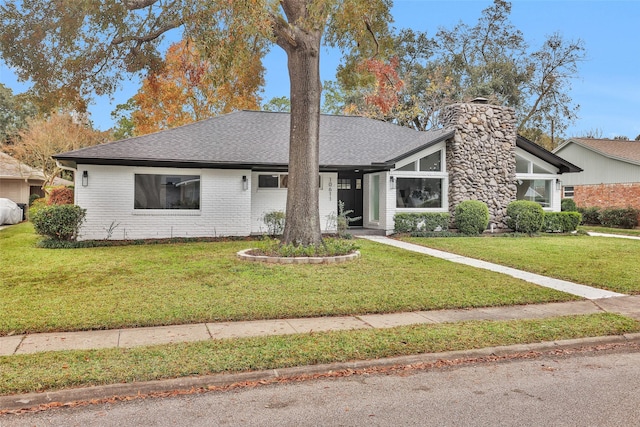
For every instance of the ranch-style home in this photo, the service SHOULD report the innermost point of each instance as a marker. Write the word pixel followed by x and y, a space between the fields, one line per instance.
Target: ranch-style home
pixel 18 181
pixel 611 176
pixel 220 176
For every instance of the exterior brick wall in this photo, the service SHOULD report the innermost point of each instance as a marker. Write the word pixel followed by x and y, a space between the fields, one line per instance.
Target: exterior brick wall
pixel 608 195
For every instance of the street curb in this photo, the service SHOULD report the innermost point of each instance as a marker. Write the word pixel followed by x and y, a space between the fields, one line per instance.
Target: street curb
pixel 97 393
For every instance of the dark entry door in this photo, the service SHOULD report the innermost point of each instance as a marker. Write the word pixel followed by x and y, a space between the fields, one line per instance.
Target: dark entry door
pixel 350 192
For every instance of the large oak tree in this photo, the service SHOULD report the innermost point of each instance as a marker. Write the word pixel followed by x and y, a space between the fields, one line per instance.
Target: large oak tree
pixel 71 49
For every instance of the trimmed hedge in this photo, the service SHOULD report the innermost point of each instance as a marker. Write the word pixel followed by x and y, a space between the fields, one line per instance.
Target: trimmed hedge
pixel 59 222
pixel 619 217
pixel 472 217
pixel 590 216
pixel 424 221
pixel 524 216
pixel 561 222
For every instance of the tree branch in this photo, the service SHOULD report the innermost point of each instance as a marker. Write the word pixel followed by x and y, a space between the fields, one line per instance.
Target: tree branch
pixel 138 4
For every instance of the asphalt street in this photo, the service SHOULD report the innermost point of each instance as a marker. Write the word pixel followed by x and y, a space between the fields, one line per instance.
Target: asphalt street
pixel 584 389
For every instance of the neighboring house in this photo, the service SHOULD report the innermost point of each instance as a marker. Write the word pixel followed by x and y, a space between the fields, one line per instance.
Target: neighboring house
pixel 611 176
pixel 218 177
pixel 19 181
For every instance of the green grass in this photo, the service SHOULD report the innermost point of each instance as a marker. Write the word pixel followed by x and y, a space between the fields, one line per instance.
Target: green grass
pixel 57 370
pixel 608 230
pixel 144 285
pixel 601 262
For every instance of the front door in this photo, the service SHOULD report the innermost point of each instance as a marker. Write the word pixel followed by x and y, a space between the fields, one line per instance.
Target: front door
pixel 350 193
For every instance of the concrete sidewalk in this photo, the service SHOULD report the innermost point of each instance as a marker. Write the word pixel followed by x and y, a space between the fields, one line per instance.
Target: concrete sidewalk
pixel 126 338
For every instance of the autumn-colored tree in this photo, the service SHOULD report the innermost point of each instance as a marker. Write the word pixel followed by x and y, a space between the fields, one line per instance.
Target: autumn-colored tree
pixel 45 137
pixel 189 88
pixel 88 46
pixel 490 59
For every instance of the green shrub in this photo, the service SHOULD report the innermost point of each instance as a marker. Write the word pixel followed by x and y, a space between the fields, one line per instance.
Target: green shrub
pixel 590 216
pixel 472 217
pixel 423 221
pixel 525 216
pixel 33 198
pixel 619 217
pixel 274 221
pixel 60 196
pixel 35 206
pixel 561 222
pixel 59 222
pixel 568 205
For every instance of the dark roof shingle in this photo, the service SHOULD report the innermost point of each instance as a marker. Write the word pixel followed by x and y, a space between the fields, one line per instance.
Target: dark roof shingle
pixel 262 138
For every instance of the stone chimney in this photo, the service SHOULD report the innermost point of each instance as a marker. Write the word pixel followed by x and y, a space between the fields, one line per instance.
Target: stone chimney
pixel 481 157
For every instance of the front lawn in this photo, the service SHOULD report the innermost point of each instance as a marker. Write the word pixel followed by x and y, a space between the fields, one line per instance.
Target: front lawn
pixel 601 262
pixel 144 285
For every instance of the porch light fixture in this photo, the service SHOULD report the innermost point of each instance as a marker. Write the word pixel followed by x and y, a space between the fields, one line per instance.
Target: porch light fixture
pixel 245 183
pixel 392 182
pixel 558 184
pixel 85 178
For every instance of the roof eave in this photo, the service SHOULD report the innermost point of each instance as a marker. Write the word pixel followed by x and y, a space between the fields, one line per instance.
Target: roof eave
pixel 546 155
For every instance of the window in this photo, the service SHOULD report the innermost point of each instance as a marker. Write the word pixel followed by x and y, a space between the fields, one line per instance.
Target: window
pixel 418 192
pixel 278 181
pixel 167 191
pixel 535 190
pixel 568 191
pixel 375 198
pixel 430 163
pixel 344 183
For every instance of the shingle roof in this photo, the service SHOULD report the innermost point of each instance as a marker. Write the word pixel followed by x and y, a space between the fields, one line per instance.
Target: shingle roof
pixel 11 168
pixel 621 150
pixel 257 138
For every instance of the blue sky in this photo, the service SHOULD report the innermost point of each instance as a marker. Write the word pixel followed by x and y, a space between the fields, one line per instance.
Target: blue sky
pixel 607 87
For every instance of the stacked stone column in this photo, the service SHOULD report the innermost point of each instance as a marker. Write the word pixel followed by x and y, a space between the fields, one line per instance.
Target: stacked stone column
pixel 481 157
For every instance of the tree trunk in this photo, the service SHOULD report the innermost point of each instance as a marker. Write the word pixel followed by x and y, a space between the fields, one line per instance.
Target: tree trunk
pixel 302 226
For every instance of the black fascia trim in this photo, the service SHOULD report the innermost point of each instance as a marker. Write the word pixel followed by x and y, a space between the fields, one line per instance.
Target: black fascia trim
pixel 546 155
pixel 392 162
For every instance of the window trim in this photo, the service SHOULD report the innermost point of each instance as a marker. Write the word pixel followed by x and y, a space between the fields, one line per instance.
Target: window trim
pixel 443 175
pixel 169 211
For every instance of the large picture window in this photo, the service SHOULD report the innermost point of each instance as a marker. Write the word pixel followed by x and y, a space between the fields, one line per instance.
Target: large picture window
pixel 535 190
pixel 418 192
pixel 167 191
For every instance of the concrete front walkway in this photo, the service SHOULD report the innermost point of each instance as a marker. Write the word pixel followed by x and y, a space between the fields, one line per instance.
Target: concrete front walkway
pixel 560 285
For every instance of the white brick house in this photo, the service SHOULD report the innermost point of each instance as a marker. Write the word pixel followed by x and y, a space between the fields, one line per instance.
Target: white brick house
pixel 218 177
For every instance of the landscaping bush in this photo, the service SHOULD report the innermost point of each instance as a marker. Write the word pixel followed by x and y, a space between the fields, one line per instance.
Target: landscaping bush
pixel 590 216
pixel 274 221
pixel 60 196
pixel 424 221
pixel 568 205
pixel 35 206
pixel 33 198
pixel 472 217
pixel 619 217
pixel 561 222
pixel 524 216
pixel 59 222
